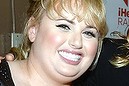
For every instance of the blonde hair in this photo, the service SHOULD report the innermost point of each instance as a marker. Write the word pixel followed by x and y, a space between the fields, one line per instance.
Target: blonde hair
pixel 91 11
pixel 122 60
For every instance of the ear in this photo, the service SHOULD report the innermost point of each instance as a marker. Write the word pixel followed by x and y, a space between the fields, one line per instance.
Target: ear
pixel 32 31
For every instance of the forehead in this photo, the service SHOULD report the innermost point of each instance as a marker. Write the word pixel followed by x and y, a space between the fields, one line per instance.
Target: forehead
pixel 82 10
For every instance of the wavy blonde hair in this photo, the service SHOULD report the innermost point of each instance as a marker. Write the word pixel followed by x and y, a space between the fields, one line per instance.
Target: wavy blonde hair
pixel 122 60
pixel 91 11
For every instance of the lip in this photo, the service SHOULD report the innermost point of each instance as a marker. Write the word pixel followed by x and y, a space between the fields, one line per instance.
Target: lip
pixel 69 61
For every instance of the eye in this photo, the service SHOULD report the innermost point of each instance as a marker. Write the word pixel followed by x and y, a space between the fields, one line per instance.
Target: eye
pixel 89 34
pixel 63 27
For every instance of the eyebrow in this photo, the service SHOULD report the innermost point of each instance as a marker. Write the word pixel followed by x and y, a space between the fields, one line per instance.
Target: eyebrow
pixel 74 23
pixel 91 27
pixel 66 20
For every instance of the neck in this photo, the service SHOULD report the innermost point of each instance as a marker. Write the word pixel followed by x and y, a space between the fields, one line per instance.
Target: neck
pixel 38 77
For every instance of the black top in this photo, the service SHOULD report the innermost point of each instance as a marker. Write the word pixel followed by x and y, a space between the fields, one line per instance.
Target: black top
pixel 5 75
pixel 106 74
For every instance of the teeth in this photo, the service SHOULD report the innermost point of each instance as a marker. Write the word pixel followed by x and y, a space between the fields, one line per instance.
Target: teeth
pixel 69 56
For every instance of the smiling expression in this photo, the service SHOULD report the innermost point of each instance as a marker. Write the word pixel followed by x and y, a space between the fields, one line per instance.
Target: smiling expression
pixel 62 47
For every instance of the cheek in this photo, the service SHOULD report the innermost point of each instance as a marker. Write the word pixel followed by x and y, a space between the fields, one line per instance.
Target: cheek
pixel 92 48
pixel 55 39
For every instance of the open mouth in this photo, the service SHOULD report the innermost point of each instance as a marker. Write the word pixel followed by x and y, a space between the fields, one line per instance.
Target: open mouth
pixel 70 57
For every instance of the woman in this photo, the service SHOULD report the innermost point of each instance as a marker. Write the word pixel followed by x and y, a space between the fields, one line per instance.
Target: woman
pixel 61 40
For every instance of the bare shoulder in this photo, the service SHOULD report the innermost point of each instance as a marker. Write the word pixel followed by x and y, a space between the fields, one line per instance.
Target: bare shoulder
pixel 18 69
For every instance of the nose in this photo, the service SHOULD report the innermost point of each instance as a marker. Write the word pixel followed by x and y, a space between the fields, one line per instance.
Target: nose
pixel 75 41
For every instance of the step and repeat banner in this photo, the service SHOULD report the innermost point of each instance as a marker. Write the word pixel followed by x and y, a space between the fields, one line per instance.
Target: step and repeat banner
pixel 117 14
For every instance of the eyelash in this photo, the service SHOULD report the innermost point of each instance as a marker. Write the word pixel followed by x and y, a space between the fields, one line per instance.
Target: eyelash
pixel 66 28
pixel 89 34
pixel 63 27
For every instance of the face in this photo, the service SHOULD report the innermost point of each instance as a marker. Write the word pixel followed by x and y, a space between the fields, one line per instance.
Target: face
pixel 62 47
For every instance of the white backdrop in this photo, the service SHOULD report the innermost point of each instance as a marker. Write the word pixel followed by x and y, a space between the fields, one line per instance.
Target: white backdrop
pixel 117 14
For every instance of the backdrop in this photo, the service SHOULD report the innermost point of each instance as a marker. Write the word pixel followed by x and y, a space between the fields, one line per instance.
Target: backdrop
pixel 117 14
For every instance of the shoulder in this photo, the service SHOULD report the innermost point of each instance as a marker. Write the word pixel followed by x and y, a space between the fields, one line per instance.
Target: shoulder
pixel 5 75
pixel 19 72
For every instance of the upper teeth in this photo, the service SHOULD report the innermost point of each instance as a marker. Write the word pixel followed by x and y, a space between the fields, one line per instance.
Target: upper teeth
pixel 69 56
